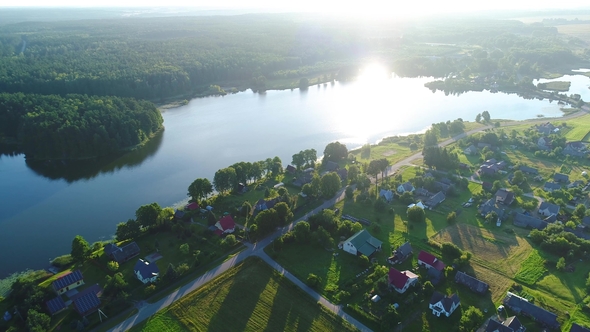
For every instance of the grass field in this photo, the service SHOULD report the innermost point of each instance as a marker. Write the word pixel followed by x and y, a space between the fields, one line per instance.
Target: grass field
pixel 249 297
pixel 532 269
pixel 581 31
pixel 579 130
pixel 559 86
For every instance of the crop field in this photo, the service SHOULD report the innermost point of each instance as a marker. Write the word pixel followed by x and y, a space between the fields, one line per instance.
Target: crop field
pixel 532 269
pixel 505 252
pixel 581 31
pixel 249 297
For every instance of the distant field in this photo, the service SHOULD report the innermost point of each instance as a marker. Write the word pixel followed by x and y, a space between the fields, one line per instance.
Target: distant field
pixel 579 133
pixel 581 31
pixel 560 86
pixel 250 297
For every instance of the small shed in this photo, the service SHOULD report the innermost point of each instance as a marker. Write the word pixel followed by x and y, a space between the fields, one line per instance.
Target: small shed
pixel 376 298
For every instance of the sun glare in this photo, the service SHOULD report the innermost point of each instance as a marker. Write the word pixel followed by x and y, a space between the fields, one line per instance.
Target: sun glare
pixel 374 72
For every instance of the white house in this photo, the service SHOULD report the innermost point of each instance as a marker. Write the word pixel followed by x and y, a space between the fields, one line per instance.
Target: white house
pixel 405 187
pixel 362 243
pixel 145 271
pixel 419 204
pixel 401 281
pixel 443 304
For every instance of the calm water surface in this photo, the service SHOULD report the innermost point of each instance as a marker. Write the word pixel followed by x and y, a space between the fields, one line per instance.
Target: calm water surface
pixel 42 208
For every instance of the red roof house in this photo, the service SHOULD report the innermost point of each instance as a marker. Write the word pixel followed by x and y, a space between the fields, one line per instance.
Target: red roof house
pixel 428 260
pixel 400 281
pixel 225 225
pixel 192 206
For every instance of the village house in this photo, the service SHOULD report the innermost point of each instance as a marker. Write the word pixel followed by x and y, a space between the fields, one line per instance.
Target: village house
pixel 504 196
pixel 422 192
pixel 55 305
pixel 362 243
pixel 401 281
pixel 387 195
pixel 145 271
pixel 575 149
pixel 401 254
pixel 405 187
pixel 548 209
pixel 419 204
pixel 435 200
pixel 510 324
pixel 68 282
pixel 578 328
pixel 331 166
pixel 551 186
pixel 434 266
pixel 471 150
pixel 441 186
pixel 291 169
pixel 486 186
pixel 490 206
pixel 523 306
pixel 87 301
pixel 529 170
pixel 547 129
pixel 343 174
pixel 225 225
pixel 544 143
pixel 526 221
pixel 474 284
pixel 443 304
pixel 121 254
pixel 561 178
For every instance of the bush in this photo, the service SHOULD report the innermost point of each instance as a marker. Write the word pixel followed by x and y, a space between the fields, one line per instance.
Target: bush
pixel 313 280
pixel 182 269
pixel 184 248
pixel 451 217
pixel 229 241
pixel 113 266
pixel 149 290
pixel 62 261
pixel 451 250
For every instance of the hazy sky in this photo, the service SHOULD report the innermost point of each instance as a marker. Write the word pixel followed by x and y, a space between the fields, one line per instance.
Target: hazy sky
pixel 364 7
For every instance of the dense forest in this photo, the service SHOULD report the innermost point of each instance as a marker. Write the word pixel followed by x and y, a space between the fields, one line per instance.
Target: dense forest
pixel 75 126
pixel 155 58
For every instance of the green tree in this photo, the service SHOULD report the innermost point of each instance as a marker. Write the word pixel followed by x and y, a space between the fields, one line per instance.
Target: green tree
pixel 303 83
pixel 497 185
pixel 353 173
pixel 390 319
pixel 451 217
pixel 130 229
pixel 416 214
pixel 113 266
pixel 335 151
pixel 199 189
pixel 298 159
pixel 580 211
pixel 225 179
pixel 478 117
pixel 37 321
pixel 349 193
pixel 284 213
pixel 330 184
pixel 302 231
pixel 80 249
pixel 115 285
pixel 486 116
pixel 518 177
pixel 184 249
pixel 147 215
pixel 560 264
pixel 229 241
pixel 471 319
pixel 430 138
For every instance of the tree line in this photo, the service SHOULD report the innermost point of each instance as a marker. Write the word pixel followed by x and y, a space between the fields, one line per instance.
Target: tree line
pixel 74 126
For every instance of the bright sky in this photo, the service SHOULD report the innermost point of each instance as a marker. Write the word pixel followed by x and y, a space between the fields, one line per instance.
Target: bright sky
pixel 355 8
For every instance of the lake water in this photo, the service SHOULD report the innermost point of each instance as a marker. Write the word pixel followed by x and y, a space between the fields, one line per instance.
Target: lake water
pixel 43 208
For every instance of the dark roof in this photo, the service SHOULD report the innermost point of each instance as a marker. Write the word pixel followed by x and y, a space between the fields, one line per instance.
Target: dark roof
pixel 178 214
pixel 474 284
pixel 67 279
pixel 486 185
pixel 558 177
pixel 397 279
pixel 331 166
pixel 511 324
pixel 549 186
pixel 227 222
pixel 109 248
pixel 520 305
pixel 405 249
pixel 192 206
pixel 446 300
pixel 554 209
pixel 87 303
pixel 586 221
pixel 291 169
pixel 529 170
pixel 126 252
pixel 442 186
pixel 422 192
pixel 55 305
pixel 577 328
pixel 438 198
pixel 526 221
pixel 504 196
pixel 488 206
pixel 146 269
pixel 96 289
pixel 407 186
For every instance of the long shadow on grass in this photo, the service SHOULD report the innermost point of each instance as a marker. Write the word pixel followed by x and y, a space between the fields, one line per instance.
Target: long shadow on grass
pixel 291 307
pixel 241 300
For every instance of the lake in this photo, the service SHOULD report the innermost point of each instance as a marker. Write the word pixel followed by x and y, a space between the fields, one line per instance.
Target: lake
pixel 44 207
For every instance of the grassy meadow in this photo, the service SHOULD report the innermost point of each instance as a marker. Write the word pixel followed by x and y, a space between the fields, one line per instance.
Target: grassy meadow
pixel 249 297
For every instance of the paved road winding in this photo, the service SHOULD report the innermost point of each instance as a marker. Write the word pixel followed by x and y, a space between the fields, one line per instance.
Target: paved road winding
pixel 257 249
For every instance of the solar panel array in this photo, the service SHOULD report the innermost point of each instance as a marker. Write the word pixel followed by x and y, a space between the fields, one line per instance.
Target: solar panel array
pixel 68 279
pixel 56 305
pixel 86 303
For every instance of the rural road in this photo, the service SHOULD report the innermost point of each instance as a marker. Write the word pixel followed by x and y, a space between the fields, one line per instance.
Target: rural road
pixel 257 249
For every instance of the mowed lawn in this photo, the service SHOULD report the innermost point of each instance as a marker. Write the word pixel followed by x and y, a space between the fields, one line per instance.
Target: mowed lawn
pixel 249 297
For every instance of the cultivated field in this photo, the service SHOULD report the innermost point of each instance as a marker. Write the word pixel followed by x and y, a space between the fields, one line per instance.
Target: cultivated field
pixel 250 297
pixel 581 31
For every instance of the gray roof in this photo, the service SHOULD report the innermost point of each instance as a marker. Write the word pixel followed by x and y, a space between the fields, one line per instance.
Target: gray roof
pixel 558 177
pixel 549 186
pixel 521 305
pixel 577 328
pixel 489 206
pixel 553 209
pixel 446 300
pixel 405 249
pixel 125 253
pixel 526 221
pixel 529 170
pixel 438 198
pixel 474 284
pixel 407 186
pixel 511 324
pixel 504 196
